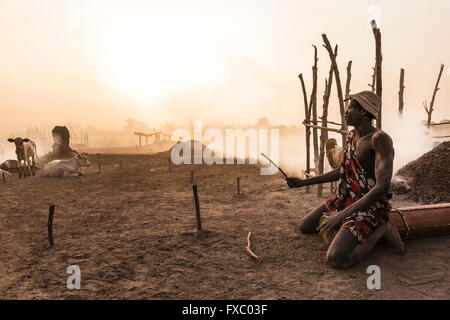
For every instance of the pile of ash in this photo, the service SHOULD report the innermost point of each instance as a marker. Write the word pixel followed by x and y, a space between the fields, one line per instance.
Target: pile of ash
pixel 426 179
pixel 191 151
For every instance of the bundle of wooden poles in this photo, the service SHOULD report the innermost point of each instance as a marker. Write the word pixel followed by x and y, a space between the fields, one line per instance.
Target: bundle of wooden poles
pixel 311 121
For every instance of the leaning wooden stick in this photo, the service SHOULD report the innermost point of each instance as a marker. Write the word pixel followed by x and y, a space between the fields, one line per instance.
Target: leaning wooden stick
pixel 436 89
pixel 284 174
pixel 333 57
pixel 248 247
pixel 51 212
pixel 308 129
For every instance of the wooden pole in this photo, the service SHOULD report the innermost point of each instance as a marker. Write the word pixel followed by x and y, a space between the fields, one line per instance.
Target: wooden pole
pixel 344 128
pixel 347 95
pixel 323 138
pixel 325 115
pixel 192 176
pixel 99 167
pixel 373 85
pixel 440 123
pixel 51 213
pixel 170 164
pixel 238 185
pixel 308 129
pixel 3 178
pixel 121 164
pixel 313 107
pixel 347 82
pixel 197 208
pixel 400 92
pixel 330 122
pixel 328 129
pixel 436 89
pixel 379 61
pixel 324 132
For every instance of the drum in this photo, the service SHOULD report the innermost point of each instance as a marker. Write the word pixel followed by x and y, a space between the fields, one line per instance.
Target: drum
pixel 422 221
pixel 327 236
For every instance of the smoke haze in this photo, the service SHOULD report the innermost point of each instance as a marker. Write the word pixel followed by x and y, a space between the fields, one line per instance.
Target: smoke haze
pixel 95 64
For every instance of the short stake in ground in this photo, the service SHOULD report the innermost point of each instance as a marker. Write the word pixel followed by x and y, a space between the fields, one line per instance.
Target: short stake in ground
pixel 170 164
pixel 3 178
pixel 51 213
pixel 99 167
pixel 197 208
pixel 238 186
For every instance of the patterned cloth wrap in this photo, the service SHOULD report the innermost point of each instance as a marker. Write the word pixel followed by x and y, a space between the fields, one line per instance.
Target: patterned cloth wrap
pixel 354 183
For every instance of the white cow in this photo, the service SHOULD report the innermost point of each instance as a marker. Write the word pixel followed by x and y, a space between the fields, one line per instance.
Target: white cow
pixel 66 168
pixel 26 153
pixel 4 172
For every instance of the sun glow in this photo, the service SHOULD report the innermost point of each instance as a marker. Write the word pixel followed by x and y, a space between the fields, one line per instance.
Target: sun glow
pixel 142 69
pixel 149 60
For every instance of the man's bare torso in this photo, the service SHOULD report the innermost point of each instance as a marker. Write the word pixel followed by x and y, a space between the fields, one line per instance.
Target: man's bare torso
pixel 366 154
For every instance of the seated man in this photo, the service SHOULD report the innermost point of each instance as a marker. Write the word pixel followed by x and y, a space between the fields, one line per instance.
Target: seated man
pixel 360 208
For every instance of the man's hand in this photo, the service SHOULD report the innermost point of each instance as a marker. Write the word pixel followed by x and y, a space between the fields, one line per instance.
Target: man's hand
pixel 331 221
pixel 295 182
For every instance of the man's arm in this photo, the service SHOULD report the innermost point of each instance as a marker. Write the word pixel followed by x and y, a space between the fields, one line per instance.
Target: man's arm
pixel 330 176
pixel 384 160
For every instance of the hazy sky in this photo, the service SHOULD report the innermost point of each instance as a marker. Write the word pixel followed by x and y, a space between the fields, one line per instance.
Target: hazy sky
pixel 99 62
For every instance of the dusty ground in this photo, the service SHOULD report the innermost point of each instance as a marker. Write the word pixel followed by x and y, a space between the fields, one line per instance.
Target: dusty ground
pixel 131 232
